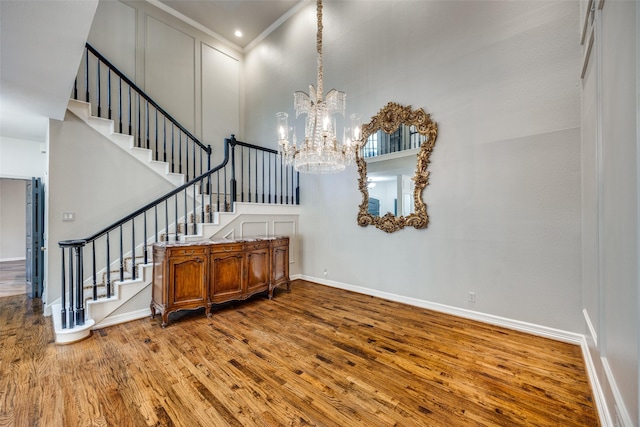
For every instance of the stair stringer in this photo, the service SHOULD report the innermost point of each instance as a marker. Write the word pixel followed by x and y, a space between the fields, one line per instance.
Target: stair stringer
pixel 103 311
pixel 105 127
pixel 241 212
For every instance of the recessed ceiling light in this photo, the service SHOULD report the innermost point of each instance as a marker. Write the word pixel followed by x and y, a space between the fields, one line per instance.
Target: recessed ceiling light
pixel 238 33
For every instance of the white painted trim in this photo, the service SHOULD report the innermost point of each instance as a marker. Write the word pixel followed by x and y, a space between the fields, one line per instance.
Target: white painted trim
pixel 12 259
pixel 539 330
pixel 596 387
pixel 587 54
pixel 621 409
pixel 69 335
pixel 592 331
pixel 193 23
pixel 123 318
pixel 288 14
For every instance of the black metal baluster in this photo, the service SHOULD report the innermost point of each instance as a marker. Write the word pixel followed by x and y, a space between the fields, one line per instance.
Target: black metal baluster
pixel 79 286
pixel 201 200
pixel 186 224
pixel 256 174
pixel 93 268
pixel 75 88
pixel 218 191
pixel 166 221
pixel 175 206
pixel 225 190
pixel 180 152
pixel 298 188
pixel 286 184
pixel 86 75
pixel 155 208
pixel 108 268
pixel 249 176
pixel 210 219
pixel 120 104
pixel 164 139
pixel 129 103
pixel 281 180
pixel 269 161
pixel 146 249
pixel 156 135
pixel 193 210
pixel 147 122
pixel 63 311
pixel 186 156
pixel 233 174
pixel 139 123
pixel 121 256
pixel 173 165
pixel 241 173
pixel 133 249
pixel 99 95
pixel 108 93
pixel 72 317
pixel 193 146
pixel 263 182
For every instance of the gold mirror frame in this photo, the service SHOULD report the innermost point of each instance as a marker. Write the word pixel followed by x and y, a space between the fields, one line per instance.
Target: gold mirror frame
pixel 388 119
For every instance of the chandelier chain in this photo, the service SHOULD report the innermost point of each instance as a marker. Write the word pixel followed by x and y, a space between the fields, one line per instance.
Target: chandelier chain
pixel 319 50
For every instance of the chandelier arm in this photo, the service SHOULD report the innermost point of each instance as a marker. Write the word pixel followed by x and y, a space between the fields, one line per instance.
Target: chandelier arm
pixel 319 50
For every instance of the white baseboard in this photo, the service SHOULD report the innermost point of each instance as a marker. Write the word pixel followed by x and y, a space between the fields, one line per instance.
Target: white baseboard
pixel 538 330
pixel 12 259
pixel 122 318
pixel 622 415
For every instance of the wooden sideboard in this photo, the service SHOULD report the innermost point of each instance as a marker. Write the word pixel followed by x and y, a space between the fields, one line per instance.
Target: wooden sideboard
pixel 193 275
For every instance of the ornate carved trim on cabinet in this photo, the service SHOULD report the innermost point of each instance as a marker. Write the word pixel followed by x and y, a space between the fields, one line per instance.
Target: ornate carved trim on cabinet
pixel 188 276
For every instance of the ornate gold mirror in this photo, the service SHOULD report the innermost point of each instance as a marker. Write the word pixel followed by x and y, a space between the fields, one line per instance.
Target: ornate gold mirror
pixel 397 143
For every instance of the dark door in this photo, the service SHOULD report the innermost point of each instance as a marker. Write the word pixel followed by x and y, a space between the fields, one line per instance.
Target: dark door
pixel 35 237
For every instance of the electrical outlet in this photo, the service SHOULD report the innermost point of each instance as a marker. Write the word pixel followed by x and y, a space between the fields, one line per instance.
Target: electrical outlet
pixel 472 297
pixel 325 273
pixel 68 216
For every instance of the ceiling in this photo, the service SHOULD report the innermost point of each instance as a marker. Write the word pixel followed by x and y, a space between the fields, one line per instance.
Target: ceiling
pixel 41 42
pixel 224 17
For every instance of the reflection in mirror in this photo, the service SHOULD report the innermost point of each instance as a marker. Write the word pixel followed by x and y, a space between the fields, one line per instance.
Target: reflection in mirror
pixel 392 163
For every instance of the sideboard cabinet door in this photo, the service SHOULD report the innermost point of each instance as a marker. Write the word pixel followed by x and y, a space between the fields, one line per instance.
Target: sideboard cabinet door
pixel 180 279
pixel 226 272
pixel 279 264
pixel 257 267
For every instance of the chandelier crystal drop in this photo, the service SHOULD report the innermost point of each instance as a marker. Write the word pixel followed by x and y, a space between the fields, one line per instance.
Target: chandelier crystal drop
pixel 321 151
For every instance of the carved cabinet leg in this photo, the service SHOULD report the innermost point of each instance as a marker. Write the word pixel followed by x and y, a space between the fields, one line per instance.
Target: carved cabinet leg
pixel 165 319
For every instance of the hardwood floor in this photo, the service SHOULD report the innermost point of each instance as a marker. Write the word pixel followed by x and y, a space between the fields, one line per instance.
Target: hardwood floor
pixel 13 278
pixel 314 356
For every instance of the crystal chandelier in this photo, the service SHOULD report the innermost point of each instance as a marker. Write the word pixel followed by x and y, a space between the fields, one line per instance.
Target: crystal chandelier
pixel 321 152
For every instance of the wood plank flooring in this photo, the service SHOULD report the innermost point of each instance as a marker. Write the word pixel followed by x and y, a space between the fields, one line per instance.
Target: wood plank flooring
pixel 315 356
pixel 13 278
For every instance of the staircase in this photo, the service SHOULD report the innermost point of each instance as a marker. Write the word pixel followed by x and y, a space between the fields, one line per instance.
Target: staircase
pixel 135 290
pixel 251 186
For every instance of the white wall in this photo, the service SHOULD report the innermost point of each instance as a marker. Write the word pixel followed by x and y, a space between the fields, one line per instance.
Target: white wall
pixel 501 79
pixel 610 205
pixel 20 158
pixel 13 205
pixel 97 181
